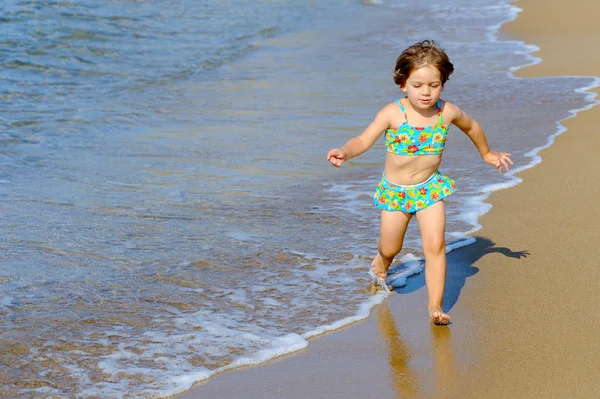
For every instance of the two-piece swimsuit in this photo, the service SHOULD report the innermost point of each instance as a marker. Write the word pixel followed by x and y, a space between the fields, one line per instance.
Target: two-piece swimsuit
pixel 411 141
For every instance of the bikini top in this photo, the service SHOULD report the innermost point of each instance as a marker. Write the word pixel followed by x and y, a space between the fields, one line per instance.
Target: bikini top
pixel 410 140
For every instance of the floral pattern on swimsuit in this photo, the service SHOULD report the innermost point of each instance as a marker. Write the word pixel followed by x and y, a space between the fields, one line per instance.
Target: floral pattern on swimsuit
pixel 411 140
pixel 410 199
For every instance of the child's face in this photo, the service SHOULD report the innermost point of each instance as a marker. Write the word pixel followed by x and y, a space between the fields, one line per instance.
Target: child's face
pixel 423 87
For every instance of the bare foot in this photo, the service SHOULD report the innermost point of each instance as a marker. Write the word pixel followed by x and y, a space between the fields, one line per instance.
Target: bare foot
pixel 379 268
pixel 438 317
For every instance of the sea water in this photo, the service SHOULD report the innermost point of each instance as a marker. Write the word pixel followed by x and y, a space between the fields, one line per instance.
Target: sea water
pixel 167 208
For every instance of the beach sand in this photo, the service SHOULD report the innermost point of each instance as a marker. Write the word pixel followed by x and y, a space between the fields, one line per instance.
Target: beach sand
pixel 523 297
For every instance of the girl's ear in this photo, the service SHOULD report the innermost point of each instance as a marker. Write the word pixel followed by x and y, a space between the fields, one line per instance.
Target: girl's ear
pixel 403 88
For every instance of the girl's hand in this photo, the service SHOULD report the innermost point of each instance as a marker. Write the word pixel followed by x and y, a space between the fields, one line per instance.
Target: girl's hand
pixel 498 159
pixel 336 157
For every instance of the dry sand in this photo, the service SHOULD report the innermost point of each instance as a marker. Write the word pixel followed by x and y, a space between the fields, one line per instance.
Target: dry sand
pixel 526 323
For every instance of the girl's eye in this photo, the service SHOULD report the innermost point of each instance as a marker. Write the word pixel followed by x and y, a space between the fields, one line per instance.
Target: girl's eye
pixel 416 86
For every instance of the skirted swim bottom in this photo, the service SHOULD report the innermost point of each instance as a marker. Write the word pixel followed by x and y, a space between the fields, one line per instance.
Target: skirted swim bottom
pixel 410 199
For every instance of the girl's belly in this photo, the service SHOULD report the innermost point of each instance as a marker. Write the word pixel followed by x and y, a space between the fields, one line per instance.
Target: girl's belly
pixel 408 170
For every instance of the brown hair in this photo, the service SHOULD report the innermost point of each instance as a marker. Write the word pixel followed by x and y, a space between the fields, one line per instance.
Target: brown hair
pixel 418 55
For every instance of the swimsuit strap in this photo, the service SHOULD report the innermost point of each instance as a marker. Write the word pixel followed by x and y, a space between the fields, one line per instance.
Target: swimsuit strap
pixel 439 110
pixel 402 109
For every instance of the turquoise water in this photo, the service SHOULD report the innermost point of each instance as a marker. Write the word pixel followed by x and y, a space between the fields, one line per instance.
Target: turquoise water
pixel 167 207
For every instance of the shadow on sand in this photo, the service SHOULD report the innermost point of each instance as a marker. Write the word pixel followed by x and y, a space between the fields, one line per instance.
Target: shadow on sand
pixel 406 358
pixel 460 267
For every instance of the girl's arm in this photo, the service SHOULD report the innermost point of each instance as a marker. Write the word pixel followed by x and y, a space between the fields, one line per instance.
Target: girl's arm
pixel 365 140
pixel 472 129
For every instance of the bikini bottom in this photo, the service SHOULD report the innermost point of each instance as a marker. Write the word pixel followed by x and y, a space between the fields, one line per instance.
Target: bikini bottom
pixel 411 199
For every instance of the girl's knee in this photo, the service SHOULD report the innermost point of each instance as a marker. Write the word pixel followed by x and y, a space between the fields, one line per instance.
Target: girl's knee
pixel 434 246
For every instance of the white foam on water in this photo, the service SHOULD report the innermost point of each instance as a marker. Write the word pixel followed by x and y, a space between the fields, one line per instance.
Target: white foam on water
pixel 400 279
pixel 477 204
pixel 363 312
pixel 279 347
pixel 171 374
pixel 513 12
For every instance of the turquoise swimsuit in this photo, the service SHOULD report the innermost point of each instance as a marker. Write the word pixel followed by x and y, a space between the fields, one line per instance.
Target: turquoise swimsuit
pixel 408 140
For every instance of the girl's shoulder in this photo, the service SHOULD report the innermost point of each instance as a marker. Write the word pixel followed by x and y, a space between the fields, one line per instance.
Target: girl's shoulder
pixel 391 109
pixel 449 110
pixel 392 106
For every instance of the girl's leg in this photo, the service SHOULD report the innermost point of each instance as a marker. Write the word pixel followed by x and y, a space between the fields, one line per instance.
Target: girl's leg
pixel 432 223
pixel 391 236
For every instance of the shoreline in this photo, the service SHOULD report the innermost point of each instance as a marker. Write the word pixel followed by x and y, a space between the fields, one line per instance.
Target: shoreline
pixel 489 342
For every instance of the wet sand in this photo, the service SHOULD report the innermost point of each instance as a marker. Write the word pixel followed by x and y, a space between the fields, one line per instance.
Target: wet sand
pixel 522 298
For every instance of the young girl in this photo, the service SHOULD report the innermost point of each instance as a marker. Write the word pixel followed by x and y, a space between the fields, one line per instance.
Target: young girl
pixel 415 130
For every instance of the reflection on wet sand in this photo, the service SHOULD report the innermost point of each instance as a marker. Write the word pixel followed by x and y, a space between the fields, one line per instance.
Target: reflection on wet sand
pixel 445 373
pixel 440 380
pixel 398 355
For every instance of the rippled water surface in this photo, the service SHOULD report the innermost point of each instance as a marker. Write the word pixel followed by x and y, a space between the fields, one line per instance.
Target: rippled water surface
pixel 166 204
